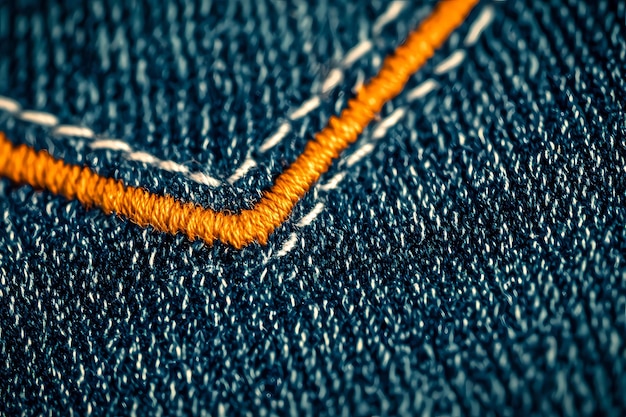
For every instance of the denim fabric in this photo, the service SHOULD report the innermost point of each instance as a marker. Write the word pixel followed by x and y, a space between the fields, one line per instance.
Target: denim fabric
pixel 467 259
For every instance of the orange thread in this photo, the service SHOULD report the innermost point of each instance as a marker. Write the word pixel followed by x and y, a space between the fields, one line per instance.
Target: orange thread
pixel 23 164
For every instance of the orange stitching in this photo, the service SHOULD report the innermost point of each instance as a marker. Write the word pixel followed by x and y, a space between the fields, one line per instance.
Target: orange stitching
pixel 23 164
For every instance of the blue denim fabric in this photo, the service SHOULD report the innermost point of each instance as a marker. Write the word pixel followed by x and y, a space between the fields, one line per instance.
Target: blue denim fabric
pixel 473 263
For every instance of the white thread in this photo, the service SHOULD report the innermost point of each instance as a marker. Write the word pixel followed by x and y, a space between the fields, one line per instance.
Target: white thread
pixel 480 24
pixel 273 140
pixel 335 76
pixel 74 131
pixel 289 244
pixel 9 105
pixel 451 62
pixel 173 167
pixel 40 118
pixel 359 154
pixel 308 219
pixel 246 166
pixel 422 89
pixel 357 52
pixel 306 108
pixel 392 12
pixel 204 179
pixel 147 158
pixel 333 182
pixel 143 157
pixel 112 144
pixel 382 128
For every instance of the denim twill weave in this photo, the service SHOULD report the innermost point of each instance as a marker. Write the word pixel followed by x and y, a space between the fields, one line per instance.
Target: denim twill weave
pixel 465 257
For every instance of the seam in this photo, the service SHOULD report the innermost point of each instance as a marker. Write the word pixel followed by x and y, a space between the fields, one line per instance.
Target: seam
pixel 23 164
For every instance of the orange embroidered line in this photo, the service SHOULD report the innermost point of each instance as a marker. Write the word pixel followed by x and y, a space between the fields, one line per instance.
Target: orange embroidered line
pixel 24 165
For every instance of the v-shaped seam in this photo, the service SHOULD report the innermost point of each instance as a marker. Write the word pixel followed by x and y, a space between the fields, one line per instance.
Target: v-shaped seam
pixel 22 164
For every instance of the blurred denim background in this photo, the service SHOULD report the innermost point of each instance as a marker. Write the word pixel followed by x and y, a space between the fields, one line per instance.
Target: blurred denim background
pixel 465 257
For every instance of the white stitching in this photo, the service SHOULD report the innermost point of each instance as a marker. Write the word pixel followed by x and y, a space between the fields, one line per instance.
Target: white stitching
pixel 74 131
pixel 147 158
pixel 144 157
pixel 9 105
pixel 283 130
pixel 246 166
pixel 381 129
pixel 422 89
pixel 289 244
pixel 308 219
pixel 451 62
pixel 333 182
pixel 113 144
pixel 335 76
pixel 306 108
pixel 392 12
pixel 359 154
pixel 480 24
pixel 39 117
pixel 357 52
pixel 202 178
pixel 173 166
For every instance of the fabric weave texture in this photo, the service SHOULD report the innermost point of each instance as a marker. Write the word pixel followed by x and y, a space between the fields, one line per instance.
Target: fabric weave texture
pixel 466 256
